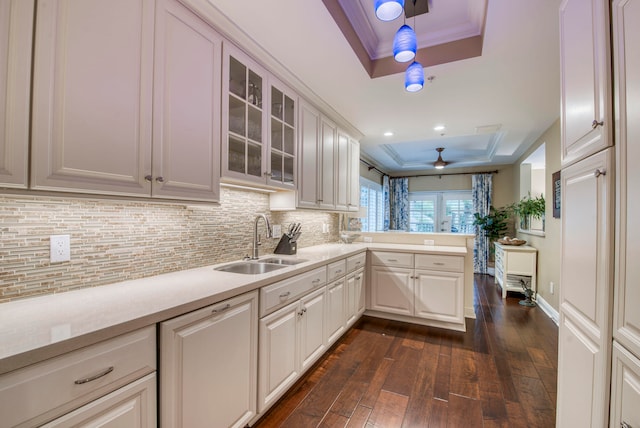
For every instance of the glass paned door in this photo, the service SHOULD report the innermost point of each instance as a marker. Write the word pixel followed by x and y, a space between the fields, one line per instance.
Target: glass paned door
pixel 282 124
pixel 245 95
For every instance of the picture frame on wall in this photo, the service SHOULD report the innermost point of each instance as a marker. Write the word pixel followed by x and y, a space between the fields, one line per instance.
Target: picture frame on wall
pixel 557 192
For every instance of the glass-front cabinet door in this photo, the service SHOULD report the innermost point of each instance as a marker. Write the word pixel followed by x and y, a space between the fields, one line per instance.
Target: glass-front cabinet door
pixel 282 136
pixel 244 118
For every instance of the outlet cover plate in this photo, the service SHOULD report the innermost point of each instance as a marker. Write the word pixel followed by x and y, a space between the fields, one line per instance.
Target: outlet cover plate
pixel 60 246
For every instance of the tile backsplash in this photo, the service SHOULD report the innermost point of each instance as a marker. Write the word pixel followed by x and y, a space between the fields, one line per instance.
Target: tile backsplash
pixel 116 240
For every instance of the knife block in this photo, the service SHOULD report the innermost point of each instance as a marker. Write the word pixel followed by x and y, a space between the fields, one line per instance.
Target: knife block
pixel 286 246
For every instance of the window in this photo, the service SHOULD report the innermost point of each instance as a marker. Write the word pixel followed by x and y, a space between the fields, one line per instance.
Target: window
pixel 441 212
pixel 371 198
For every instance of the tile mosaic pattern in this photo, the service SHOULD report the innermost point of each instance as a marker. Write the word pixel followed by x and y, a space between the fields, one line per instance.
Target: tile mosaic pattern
pixel 117 240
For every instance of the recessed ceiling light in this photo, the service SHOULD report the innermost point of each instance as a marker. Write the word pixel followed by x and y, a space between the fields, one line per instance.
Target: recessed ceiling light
pixel 439 128
pixel 388 134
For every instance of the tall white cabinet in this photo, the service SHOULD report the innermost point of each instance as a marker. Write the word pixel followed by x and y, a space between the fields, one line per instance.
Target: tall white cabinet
pixel 625 388
pixel 588 177
pixel 16 33
pixel 126 101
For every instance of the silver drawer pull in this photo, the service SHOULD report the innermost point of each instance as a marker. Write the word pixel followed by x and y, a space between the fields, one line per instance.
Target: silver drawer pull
pixel 624 425
pixel 315 281
pixel 222 309
pixel 358 278
pixel 598 173
pixel 283 295
pixel 339 271
pixel 595 123
pixel 94 377
pixel 439 264
pixel 392 260
pixel 359 262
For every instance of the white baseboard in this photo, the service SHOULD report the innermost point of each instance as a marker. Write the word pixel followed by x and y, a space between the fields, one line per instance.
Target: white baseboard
pixel 548 309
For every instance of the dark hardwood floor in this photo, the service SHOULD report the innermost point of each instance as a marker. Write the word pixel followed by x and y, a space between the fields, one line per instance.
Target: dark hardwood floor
pixel 500 373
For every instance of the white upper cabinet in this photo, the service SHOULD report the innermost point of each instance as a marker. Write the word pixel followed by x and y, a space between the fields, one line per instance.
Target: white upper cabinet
pixel 353 182
pixel 16 32
pixel 309 160
pixel 327 170
pixel 103 73
pixel 186 111
pixel 92 95
pixel 342 172
pixel 626 49
pixel 283 104
pixel 585 78
pixel 244 120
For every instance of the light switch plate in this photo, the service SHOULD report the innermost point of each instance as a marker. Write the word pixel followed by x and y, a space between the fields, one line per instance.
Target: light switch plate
pixel 276 231
pixel 60 247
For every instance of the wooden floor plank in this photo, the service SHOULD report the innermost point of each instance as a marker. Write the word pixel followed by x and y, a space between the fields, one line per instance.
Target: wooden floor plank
pixel 418 411
pixel 464 412
pixel 389 410
pixel 359 418
pixel 464 376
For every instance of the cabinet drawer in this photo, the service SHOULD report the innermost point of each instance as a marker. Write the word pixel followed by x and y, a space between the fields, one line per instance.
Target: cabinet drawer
pixel 336 270
pixel 439 262
pixel 383 258
pixel 59 385
pixel 277 295
pixel 356 262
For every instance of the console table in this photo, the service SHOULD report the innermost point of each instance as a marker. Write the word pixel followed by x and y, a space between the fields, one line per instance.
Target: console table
pixel 515 263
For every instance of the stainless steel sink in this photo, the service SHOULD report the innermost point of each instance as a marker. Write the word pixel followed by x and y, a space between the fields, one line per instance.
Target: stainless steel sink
pixel 250 268
pixel 281 261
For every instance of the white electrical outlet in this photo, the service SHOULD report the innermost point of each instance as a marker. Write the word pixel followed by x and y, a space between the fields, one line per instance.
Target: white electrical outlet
pixel 368 239
pixel 276 231
pixel 60 246
pixel 325 228
pixel 551 288
pixel 429 242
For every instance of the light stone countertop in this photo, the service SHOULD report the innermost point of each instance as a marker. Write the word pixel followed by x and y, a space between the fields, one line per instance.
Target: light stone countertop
pixel 37 328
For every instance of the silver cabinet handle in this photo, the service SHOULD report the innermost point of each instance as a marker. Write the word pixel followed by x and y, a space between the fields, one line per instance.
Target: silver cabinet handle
pixel 302 311
pixel 283 295
pixel 358 262
pixel 148 178
pixel 597 173
pixel 222 309
pixel 392 260
pixel 315 281
pixel 94 377
pixel 624 425
pixel 595 124
pixel 160 179
pixel 439 264
pixel 339 271
pixel 358 278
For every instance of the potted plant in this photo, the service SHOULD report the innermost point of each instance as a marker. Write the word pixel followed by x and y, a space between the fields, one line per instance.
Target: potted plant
pixel 494 225
pixel 528 208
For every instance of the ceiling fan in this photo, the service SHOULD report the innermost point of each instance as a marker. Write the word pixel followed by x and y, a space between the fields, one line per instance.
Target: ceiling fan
pixel 439 163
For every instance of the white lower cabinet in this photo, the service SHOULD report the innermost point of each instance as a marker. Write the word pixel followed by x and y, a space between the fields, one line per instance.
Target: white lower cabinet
pixel 625 388
pixel 439 296
pixel 355 297
pixel 425 288
pixel 208 365
pixel 291 339
pixel 111 383
pixel 335 322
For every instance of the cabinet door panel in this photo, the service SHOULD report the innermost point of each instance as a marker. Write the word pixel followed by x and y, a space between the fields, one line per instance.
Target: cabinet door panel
pixel 309 160
pixel 328 169
pixel 208 366
pixel 312 341
pixel 16 32
pixel 392 290
pixel 186 155
pixel 335 320
pixel 92 94
pixel 342 171
pixel 626 34
pixel 585 78
pixel 625 388
pixel 279 354
pixel 439 296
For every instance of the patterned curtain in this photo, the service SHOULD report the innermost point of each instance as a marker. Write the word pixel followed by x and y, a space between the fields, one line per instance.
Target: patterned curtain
pixel 481 186
pixel 386 203
pixel 399 204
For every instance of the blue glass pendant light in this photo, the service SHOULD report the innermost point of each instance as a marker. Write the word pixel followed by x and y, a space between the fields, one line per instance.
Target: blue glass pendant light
pixel 405 44
pixel 414 77
pixel 388 10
